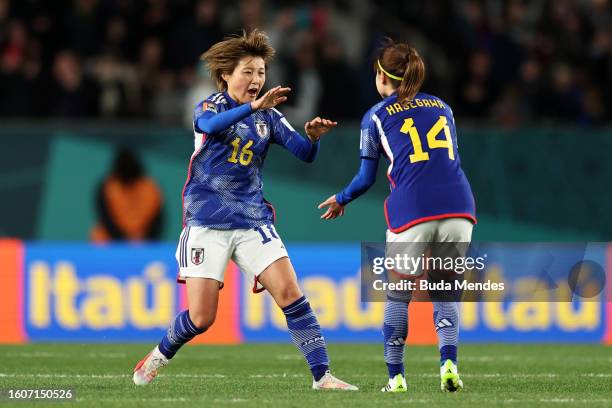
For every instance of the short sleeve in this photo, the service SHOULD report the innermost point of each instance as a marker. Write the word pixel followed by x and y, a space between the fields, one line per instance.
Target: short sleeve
pixel 369 143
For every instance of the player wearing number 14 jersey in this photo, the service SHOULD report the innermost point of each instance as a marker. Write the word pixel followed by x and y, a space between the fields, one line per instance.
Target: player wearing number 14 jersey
pixel 430 199
pixel 224 213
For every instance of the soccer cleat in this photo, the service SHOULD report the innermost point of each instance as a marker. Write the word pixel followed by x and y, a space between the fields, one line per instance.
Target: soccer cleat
pixel 146 369
pixel 449 378
pixel 329 382
pixel 396 384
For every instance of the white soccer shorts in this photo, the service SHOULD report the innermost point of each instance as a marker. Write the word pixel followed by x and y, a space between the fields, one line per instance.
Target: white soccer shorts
pixel 204 252
pixel 414 241
pixel 444 230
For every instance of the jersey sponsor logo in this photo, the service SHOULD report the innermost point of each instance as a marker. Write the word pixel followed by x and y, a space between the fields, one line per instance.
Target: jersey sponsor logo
pixel 209 107
pixel 197 256
pixel 262 128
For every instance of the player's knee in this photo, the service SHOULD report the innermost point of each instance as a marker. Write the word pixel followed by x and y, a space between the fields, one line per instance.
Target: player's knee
pixel 202 320
pixel 288 295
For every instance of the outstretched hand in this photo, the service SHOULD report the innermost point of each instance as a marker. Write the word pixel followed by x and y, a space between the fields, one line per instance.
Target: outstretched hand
pixel 271 98
pixel 317 127
pixel 334 209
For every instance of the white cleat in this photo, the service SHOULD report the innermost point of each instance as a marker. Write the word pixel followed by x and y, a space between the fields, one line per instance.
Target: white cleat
pixel 329 382
pixel 396 384
pixel 449 377
pixel 146 369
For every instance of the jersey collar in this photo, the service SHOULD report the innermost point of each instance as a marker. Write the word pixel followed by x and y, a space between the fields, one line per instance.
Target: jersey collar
pixel 232 102
pixel 390 97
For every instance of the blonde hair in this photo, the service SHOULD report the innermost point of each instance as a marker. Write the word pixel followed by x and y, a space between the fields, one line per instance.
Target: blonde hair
pixel 399 60
pixel 223 57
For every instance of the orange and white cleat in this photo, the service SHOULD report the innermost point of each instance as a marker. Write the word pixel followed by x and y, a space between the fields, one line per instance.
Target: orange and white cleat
pixel 329 382
pixel 146 369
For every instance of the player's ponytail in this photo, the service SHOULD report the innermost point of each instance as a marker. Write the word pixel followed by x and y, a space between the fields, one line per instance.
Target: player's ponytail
pixel 413 78
pixel 403 66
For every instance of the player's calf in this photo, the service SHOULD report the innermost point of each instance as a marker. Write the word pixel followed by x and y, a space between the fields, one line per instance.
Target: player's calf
pixel 182 329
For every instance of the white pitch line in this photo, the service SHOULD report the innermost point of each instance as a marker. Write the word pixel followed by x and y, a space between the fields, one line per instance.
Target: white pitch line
pixel 181 399
pixel 414 359
pixel 36 354
pixel 46 354
pixel 167 399
pixel 487 359
pixel 552 401
pixel 64 375
pixel 183 375
pixel 295 375
pixel 556 400
pixel 283 375
pixel 233 400
pixel 495 375
pixel 109 376
pixel 180 375
pixel 107 355
pixel 289 357
pixel 485 375
pixel 127 399
pixel 596 375
pixel 573 400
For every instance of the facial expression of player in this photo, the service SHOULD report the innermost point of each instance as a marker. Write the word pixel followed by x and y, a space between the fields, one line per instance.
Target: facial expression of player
pixel 247 80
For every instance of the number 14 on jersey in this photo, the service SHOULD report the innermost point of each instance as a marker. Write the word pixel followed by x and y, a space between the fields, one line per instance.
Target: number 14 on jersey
pixel 433 143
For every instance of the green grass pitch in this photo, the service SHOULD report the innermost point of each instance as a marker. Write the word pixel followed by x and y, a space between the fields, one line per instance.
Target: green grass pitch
pixel 275 375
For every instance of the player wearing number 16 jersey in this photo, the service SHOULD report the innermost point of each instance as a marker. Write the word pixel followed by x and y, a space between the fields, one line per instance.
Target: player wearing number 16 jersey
pixel 430 200
pixel 224 213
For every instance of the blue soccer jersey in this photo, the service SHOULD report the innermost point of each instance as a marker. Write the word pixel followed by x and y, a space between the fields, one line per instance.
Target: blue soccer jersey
pixel 420 141
pixel 224 182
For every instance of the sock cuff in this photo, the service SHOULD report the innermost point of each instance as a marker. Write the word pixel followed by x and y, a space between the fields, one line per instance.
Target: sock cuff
pixel 191 325
pixel 319 371
pixel 164 350
pixel 296 306
pixel 395 369
pixel 448 352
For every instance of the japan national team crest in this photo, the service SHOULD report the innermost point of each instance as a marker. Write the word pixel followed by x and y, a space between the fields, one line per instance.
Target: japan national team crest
pixel 197 256
pixel 262 128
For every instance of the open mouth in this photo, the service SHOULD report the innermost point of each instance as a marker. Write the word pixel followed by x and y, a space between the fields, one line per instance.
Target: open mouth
pixel 252 92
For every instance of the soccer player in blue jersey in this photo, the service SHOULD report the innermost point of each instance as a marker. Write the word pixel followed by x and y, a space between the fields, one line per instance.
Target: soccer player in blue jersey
pixel 225 215
pixel 430 200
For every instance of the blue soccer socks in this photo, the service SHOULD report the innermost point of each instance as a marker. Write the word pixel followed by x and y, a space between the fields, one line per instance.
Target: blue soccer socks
pixel 181 330
pixel 446 322
pixel 395 331
pixel 306 335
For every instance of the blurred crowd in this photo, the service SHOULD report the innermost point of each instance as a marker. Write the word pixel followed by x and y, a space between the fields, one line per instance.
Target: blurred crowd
pixel 507 62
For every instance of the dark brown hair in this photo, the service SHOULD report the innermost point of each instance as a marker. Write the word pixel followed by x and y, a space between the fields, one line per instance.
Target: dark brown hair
pixel 223 57
pixel 404 61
